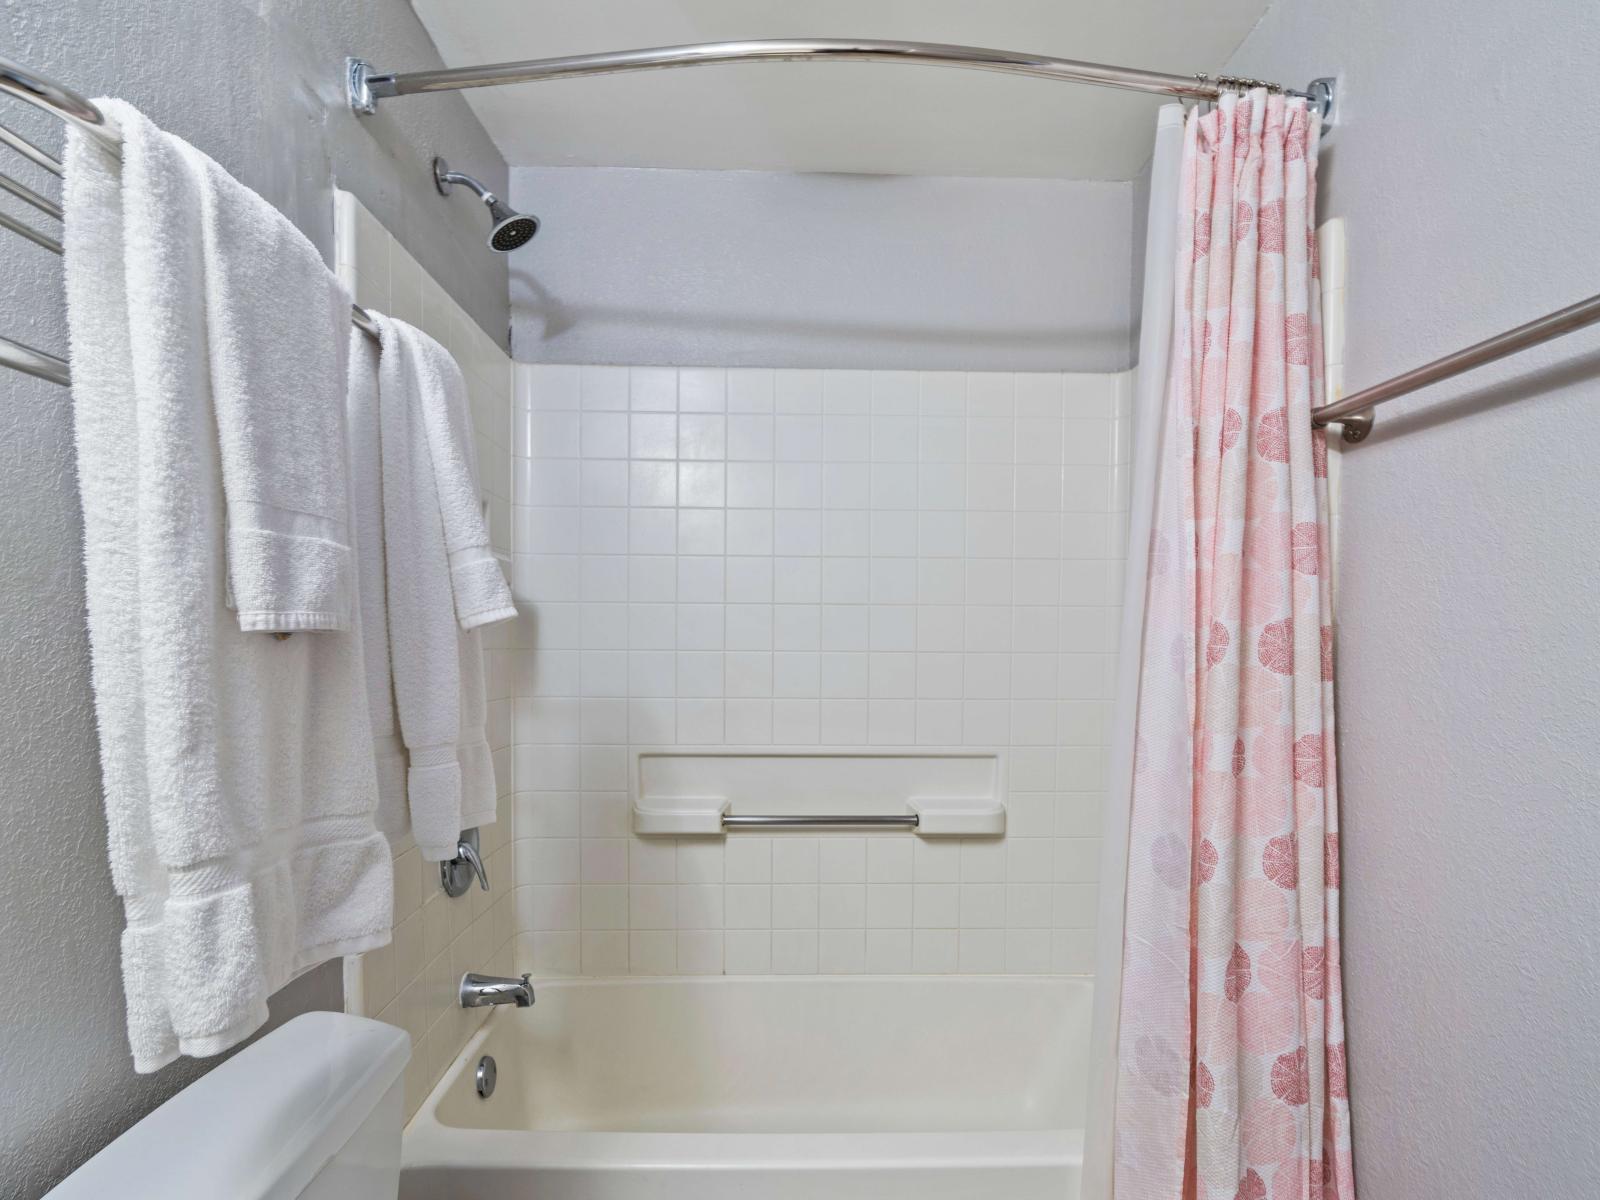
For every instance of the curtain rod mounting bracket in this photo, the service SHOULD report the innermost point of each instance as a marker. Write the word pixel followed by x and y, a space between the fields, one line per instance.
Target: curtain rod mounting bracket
pixel 1320 95
pixel 1354 428
pixel 357 71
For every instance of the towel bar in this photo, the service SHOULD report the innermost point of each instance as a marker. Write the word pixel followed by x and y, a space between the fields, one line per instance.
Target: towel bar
pixel 72 108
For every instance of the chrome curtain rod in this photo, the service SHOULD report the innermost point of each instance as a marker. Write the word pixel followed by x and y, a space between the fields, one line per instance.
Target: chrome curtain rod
pixel 1355 412
pixel 366 86
pixel 64 103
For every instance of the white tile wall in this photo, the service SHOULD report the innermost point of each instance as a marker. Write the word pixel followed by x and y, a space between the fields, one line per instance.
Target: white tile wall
pixel 811 558
pixel 411 982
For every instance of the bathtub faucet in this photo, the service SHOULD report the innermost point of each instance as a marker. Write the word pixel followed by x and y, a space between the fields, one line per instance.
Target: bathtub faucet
pixel 477 991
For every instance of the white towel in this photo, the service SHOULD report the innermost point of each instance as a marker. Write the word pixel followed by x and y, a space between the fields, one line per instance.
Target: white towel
pixel 237 768
pixel 437 665
pixel 106 437
pixel 479 587
pixel 276 336
pixel 424 656
pixel 476 581
pixel 366 497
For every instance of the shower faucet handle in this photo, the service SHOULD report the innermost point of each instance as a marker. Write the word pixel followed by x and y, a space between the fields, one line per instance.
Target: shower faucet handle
pixel 456 874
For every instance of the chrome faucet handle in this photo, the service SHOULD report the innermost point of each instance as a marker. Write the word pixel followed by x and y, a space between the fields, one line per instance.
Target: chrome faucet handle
pixel 455 875
pixel 469 852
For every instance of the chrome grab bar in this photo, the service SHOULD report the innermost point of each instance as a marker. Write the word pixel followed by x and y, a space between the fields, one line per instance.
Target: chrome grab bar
pixel 905 821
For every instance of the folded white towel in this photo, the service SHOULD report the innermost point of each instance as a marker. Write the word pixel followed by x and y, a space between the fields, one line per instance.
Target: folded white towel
pixel 476 581
pixel 478 791
pixel 107 440
pixel 277 349
pixel 437 664
pixel 366 497
pixel 237 768
pixel 424 656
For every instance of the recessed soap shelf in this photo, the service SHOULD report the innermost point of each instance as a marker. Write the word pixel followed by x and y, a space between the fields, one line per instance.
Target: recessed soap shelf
pixel 689 793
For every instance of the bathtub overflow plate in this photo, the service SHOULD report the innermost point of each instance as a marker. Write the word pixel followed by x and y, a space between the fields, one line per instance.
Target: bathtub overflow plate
pixel 486 1076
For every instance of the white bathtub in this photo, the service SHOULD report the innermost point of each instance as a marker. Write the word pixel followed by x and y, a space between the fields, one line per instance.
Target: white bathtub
pixel 780 1088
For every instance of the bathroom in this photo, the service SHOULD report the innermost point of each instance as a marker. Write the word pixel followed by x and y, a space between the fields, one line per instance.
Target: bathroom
pixel 812 430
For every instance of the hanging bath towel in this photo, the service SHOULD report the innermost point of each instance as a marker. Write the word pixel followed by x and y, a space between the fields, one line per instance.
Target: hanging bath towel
pixel 425 464
pixel 238 771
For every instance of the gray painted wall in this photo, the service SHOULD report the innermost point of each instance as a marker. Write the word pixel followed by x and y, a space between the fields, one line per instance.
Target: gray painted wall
pixel 752 268
pixel 1469 649
pixel 256 86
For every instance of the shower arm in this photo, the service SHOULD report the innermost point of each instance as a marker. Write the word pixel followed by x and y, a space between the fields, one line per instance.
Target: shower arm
pixel 366 86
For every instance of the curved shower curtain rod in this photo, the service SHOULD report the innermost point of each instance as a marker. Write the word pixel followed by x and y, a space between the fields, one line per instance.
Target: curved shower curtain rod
pixel 366 86
pixel 1353 412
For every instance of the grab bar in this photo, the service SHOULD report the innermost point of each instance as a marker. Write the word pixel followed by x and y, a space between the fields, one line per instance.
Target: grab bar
pixel 906 821
pixel 929 816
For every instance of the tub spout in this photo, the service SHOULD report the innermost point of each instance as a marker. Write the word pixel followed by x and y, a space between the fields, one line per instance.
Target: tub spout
pixel 477 991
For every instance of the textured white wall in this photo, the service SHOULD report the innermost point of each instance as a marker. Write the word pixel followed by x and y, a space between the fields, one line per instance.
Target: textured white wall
pixel 1469 651
pixel 256 84
pixel 765 269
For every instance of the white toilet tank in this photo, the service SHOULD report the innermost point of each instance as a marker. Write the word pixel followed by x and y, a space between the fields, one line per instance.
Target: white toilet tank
pixel 313 1110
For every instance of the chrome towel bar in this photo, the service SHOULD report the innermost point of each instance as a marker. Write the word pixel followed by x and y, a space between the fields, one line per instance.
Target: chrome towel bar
pixel 62 102
pixel 905 821
pixel 1354 411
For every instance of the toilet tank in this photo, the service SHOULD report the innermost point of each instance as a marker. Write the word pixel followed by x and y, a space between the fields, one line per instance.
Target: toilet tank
pixel 312 1110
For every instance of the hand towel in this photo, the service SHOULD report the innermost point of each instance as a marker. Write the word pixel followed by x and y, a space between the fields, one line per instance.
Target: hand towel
pixel 425 657
pixel 478 586
pixel 366 499
pixel 436 664
pixel 238 772
pixel 277 342
pixel 477 583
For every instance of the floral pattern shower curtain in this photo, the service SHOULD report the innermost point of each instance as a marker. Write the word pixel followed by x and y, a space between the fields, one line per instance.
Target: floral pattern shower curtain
pixel 1231 1081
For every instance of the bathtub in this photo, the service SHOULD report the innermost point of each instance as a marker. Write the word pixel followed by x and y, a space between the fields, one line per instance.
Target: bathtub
pixel 937 1088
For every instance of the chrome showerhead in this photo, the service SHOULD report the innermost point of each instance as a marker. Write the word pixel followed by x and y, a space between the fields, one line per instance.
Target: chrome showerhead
pixel 511 229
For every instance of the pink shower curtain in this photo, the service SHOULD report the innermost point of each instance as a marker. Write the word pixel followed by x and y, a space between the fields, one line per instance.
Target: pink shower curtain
pixel 1231 1078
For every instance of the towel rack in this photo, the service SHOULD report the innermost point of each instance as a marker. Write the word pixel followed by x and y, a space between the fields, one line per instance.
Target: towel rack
pixel 68 106
pixel 1355 411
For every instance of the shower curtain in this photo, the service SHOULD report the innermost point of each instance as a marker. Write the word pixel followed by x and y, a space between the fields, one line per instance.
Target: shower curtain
pixel 1219 1023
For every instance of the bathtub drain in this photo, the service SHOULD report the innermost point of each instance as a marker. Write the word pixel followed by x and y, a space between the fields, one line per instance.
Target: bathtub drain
pixel 486 1076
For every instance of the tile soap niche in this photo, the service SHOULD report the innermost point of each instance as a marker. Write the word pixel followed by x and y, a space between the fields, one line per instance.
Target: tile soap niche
pixel 693 793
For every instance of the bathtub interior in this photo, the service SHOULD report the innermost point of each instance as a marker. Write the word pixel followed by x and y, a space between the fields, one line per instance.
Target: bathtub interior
pixel 812 1055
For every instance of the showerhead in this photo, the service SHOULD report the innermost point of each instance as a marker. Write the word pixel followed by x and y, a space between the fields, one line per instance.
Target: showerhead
pixel 511 230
